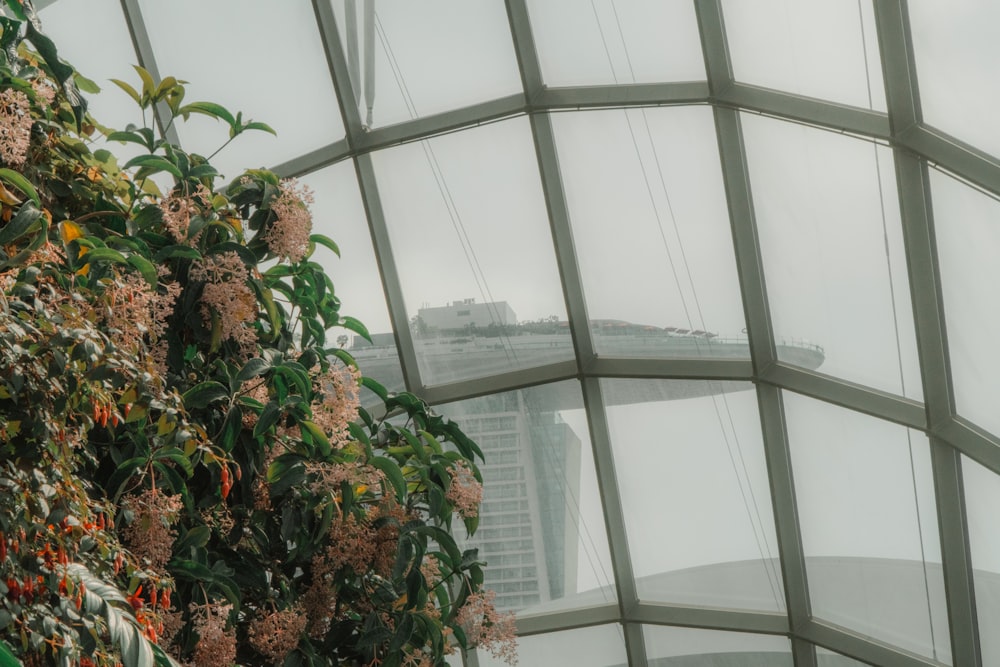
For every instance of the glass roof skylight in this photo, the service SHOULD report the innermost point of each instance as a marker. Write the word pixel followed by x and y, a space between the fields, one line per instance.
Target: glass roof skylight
pixel 711 281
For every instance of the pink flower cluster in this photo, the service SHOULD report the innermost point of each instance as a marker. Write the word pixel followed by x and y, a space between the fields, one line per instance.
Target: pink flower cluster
pixel 217 645
pixel 15 127
pixel 465 492
pixel 288 234
pixel 150 535
pixel 487 628
pixel 178 209
pixel 277 634
pixel 338 391
pixel 227 295
pixel 136 313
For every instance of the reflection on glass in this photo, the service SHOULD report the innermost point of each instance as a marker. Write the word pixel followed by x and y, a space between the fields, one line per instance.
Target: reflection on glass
pixel 968 237
pixel 865 498
pixel 695 494
pixel 831 242
pixel 651 230
pixel 280 77
pixel 955 47
pixel 541 526
pixel 690 647
pixel 600 646
pixel 339 214
pixel 827 50
pixel 625 41
pixel 471 239
pixel 982 497
pixel 413 59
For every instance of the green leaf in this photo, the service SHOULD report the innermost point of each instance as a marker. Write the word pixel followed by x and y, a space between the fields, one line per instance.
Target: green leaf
pixel 198 536
pixel 264 127
pixel 154 163
pixel 252 369
pixel 7 657
pixel 18 9
pixel 268 418
pixel 375 387
pixel 204 393
pixel 177 252
pixel 105 255
pixel 132 92
pixel 85 84
pixel 101 597
pixel 133 137
pixel 317 435
pixel 21 183
pixel 208 109
pixel 356 326
pixel 20 224
pixel 392 473
pixel 146 268
pixel 322 240
pixel 148 85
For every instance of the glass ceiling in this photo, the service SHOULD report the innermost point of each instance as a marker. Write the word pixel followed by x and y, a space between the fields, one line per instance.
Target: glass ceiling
pixel 710 280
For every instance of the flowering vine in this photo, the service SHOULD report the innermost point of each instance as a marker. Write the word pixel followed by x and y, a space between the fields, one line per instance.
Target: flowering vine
pixel 187 475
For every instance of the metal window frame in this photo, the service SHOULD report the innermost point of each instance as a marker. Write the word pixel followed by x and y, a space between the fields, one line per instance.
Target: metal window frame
pixel 915 146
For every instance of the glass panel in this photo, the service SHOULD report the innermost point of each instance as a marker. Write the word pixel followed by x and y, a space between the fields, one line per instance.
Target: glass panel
pixel 625 41
pixel 105 54
pixel 542 527
pixel 965 225
pixel 692 450
pixel 600 646
pixel 955 48
pixel 831 241
pixel 472 243
pixel 982 497
pixel 827 50
pixel 279 77
pixel 865 497
pixel 690 647
pixel 653 177
pixel 339 213
pixel 427 57
pixel 827 658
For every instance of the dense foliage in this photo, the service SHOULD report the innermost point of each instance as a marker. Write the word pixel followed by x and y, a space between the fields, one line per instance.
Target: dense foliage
pixel 185 472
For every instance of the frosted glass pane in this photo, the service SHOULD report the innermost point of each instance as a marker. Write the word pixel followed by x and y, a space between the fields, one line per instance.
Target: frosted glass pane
pixel 471 239
pixel 695 494
pixel 827 50
pixel 601 646
pixel 955 46
pixel 428 57
pixel 626 41
pixel 865 498
pixel 690 647
pixel 831 242
pixel 339 213
pixel 965 224
pixel 273 69
pixel 651 231
pixel 541 528
pixel 982 497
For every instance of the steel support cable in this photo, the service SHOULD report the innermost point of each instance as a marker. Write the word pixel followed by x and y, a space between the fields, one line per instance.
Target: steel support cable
pixel 771 567
pixel 757 527
pixel 479 276
pixel 899 351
